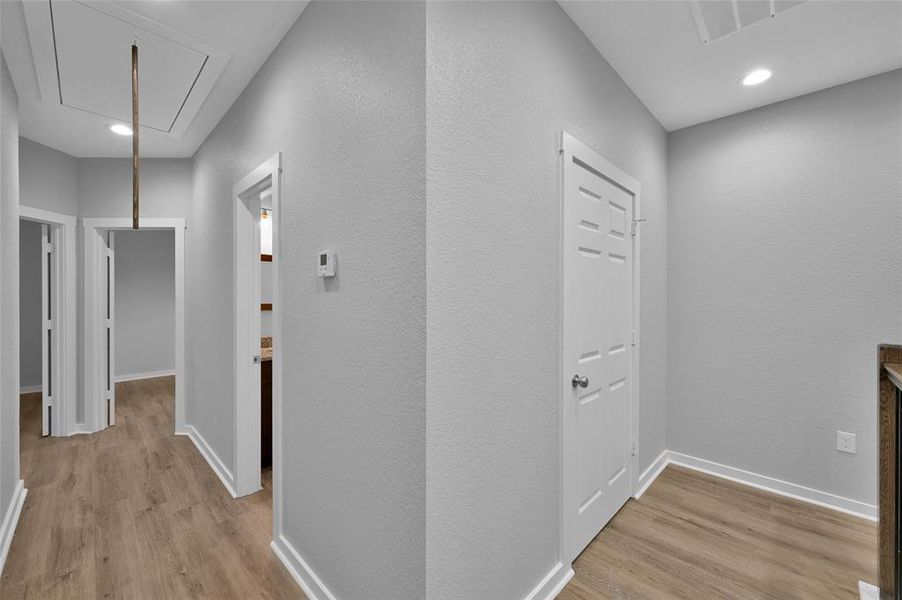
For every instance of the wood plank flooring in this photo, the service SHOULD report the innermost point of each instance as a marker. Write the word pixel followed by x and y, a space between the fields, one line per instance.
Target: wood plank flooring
pixel 693 536
pixel 135 512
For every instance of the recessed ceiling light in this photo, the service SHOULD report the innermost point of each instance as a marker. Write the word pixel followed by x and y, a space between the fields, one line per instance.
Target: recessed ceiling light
pixel 121 129
pixel 757 76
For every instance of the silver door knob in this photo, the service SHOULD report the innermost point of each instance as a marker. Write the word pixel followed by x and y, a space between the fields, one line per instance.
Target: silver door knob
pixel 582 382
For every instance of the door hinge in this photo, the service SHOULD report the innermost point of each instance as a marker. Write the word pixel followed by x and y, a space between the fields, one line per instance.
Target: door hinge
pixel 635 448
pixel 634 226
pixel 48 324
pixel 48 248
pixel 635 338
pixel 49 400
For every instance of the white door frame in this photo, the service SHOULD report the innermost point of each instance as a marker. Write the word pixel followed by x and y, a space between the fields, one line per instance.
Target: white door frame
pixel 570 146
pixel 246 290
pixel 62 235
pixel 94 420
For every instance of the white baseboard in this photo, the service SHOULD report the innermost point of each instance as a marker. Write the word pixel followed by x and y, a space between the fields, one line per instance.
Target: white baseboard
pixel 795 491
pixel 81 429
pixel 10 520
pixel 651 473
pixel 313 586
pixel 225 476
pixel 867 591
pixel 30 389
pixel 552 584
pixel 146 375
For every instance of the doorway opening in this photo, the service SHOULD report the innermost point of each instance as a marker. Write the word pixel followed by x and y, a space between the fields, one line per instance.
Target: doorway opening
pixel 47 346
pixel 599 343
pixel 258 356
pixel 148 292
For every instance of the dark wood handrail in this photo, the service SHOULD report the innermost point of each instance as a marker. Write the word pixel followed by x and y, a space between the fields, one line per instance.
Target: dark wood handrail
pixel 887 354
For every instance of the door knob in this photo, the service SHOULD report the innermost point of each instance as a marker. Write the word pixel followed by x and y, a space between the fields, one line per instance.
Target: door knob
pixel 582 382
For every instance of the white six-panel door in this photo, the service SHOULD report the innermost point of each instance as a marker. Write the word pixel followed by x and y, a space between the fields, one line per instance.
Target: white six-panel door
pixel 597 345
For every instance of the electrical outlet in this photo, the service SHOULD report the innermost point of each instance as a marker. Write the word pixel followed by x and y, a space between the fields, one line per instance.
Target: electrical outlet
pixel 845 442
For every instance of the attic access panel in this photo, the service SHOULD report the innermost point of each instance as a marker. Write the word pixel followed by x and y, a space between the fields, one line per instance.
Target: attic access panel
pixel 715 19
pixel 81 52
pixel 93 61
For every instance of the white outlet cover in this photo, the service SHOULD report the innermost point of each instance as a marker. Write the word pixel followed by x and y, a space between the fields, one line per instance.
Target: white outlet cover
pixel 845 442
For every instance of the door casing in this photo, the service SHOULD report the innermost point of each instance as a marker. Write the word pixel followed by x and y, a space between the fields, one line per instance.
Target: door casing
pixel 569 146
pixel 246 289
pixel 94 409
pixel 63 349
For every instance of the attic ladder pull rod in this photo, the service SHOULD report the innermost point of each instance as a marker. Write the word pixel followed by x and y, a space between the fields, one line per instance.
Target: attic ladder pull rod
pixel 136 165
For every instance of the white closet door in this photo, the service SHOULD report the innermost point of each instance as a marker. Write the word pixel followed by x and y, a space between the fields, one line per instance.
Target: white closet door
pixel 597 343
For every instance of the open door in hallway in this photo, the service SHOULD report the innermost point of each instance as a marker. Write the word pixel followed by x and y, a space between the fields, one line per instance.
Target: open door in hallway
pixel 598 204
pixel 109 268
pixel 104 324
pixel 47 316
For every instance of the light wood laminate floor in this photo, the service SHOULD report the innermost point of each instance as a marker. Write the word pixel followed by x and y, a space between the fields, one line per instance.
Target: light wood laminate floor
pixel 135 512
pixel 693 536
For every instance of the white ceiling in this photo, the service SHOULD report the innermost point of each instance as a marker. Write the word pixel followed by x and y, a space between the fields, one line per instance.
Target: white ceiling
pixel 656 49
pixel 654 45
pixel 195 58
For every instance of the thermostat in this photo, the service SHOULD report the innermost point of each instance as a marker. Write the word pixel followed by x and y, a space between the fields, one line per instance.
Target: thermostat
pixel 326 265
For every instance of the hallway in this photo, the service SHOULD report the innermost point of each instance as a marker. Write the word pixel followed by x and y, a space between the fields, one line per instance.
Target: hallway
pixel 135 512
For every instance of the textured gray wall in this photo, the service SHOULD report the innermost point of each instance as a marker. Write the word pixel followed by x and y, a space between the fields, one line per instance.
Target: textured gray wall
pixel 105 187
pixel 9 287
pixel 105 190
pixel 100 187
pixel 30 330
pixel 504 79
pixel 145 301
pixel 343 99
pixel 48 178
pixel 785 273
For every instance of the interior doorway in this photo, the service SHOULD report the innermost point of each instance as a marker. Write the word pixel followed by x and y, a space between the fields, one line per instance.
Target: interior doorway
pixel 100 354
pixel 258 360
pixel 600 332
pixel 47 322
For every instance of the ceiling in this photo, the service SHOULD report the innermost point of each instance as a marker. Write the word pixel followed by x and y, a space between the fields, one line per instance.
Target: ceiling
pixel 70 61
pixel 657 49
pixel 196 56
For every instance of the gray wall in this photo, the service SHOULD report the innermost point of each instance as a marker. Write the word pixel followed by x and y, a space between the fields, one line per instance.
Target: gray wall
pixel 785 273
pixel 100 187
pixel 105 187
pixel 343 99
pixel 9 287
pixel 503 80
pixel 30 330
pixel 105 190
pixel 48 178
pixel 49 181
pixel 145 302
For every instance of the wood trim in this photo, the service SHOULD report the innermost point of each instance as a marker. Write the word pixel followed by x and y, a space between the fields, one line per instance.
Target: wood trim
pixel 266 306
pixel 887 354
pixel 266 257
